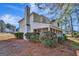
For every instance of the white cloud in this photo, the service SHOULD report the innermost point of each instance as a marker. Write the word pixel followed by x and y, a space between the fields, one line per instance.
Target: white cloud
pixel 14 8
pixel 8 18
pixel 34 8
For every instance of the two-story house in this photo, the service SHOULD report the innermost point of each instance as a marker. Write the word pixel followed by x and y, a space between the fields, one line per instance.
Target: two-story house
pixel 33 22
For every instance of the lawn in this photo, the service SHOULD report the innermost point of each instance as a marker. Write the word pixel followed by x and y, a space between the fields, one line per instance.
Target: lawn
pixel 6 36
pixel 20 47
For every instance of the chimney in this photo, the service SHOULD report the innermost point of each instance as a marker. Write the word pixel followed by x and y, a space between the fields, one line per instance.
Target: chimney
pixel 27 18
pixel 27 14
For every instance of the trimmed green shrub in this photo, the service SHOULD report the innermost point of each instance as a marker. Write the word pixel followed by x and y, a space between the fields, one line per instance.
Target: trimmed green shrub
pixel 48 39
pixel 48 35
pixel 32 37
pixel 65 37
pixel 19 35
pixel 48 43
pixel 62 38
pixel 28 35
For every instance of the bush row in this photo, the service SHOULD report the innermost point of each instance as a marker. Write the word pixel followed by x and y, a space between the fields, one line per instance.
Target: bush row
pixel 62 38
pixel 32 37
pixel 19 35
pixel 48 39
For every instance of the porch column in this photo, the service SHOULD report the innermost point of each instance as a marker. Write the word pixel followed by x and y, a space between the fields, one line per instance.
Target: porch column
pixel 49 28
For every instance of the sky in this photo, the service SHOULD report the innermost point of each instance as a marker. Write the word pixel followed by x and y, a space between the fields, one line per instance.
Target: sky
pixel 13 12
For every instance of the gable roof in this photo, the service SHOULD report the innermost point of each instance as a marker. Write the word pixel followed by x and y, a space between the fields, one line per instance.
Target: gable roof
pixel 36 14
pixel 21 20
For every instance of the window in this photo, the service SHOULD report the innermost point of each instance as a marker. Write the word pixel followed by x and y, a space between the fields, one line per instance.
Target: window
pixel 58 24
pixel 28 24
pixel 35 30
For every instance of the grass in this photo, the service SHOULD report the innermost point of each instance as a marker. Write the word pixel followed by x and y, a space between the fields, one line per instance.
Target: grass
pixel 6 36
pixel 75 42
pixel 75 45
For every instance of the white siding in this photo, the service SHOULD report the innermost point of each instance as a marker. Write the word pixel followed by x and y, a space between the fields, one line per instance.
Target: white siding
pixel 31 23
pixel 22 26
pixel 37 25
pixel 54 24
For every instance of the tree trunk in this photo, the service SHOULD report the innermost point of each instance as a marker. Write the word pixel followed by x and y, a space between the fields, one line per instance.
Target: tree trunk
pixel 71 25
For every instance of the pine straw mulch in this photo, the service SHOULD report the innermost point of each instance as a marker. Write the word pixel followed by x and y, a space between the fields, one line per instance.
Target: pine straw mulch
pixel 22 47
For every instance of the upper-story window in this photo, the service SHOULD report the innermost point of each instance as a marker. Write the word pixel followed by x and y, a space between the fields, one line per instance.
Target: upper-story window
pixel 58 24
pixel 28 24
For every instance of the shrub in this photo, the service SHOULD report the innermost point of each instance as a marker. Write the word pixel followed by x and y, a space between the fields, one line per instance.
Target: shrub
pixel 32 37
pixel 76 34
pixel 65 37
pixel 48 43
pixel 48 39
pixel 62 38
pixel 48 35
pixel 19 35
pixel 28 35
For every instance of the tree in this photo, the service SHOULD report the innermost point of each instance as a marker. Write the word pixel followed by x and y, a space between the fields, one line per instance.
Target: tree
pixel 10 27
pixel 2 26
pixel 65 11
pixel 63 7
